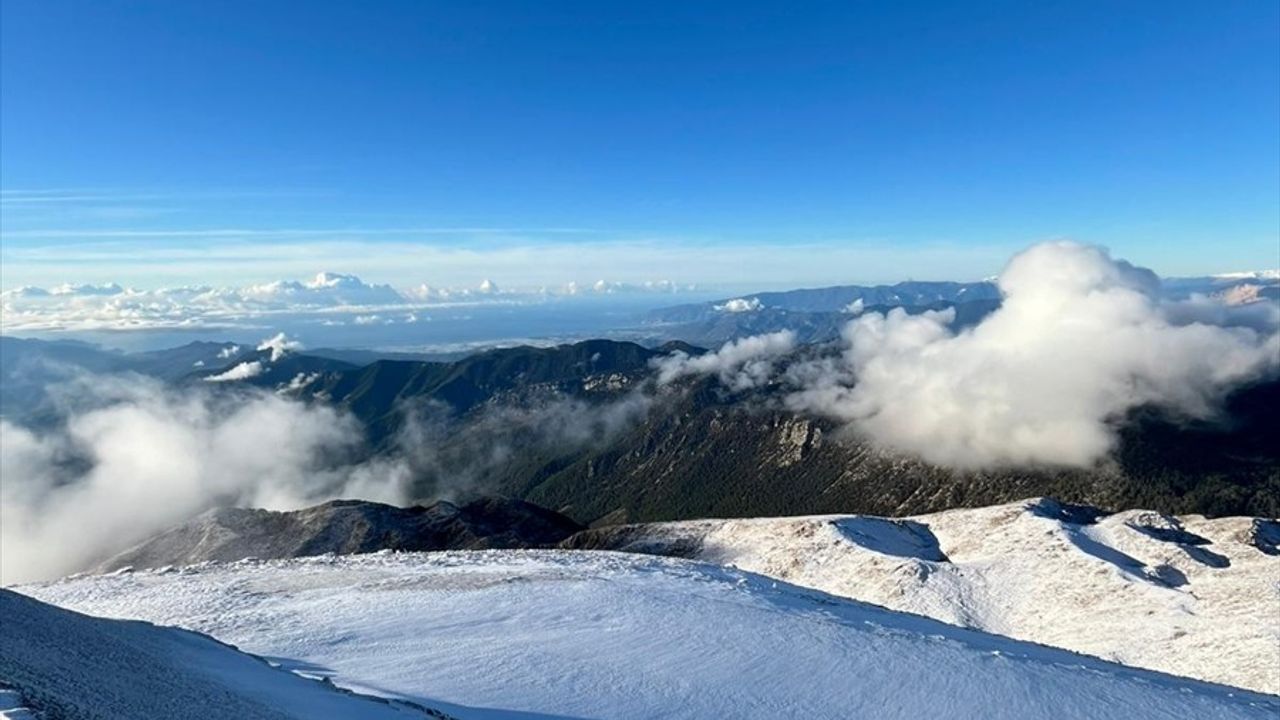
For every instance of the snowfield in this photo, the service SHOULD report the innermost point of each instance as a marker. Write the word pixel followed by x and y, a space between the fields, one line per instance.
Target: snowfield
pixel 74 667
pixel 1187 596
pixel 564 634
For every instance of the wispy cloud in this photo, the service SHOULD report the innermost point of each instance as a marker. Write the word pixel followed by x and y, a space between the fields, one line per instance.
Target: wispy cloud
pixel 218 233
pixel 510 259
pixel 15 199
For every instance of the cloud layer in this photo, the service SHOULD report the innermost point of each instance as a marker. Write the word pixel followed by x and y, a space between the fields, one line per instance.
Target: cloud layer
pixel 147 457
pixel 1080 339
pixel 136 456
pixel 336 297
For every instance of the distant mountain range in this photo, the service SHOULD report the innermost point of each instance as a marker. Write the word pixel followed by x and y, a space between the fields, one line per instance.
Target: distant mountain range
pixel 818 314
pixel 712 328
pixel 836 299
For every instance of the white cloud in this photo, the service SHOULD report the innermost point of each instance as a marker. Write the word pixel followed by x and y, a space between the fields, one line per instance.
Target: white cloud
pixel 740 305
pixel 155 458
pixel 145 457
pixel 279 345
pixel 299 381
pixel 1079 340
pixel 86 290
pixel 242 371
pixel 739 365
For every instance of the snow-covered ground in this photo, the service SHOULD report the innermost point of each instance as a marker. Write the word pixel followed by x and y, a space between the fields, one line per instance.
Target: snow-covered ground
pixel 74 667
pixel 1188 596
pixel 562 634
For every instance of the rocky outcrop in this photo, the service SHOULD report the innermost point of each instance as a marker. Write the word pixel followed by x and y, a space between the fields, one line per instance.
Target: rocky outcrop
pixel 347 527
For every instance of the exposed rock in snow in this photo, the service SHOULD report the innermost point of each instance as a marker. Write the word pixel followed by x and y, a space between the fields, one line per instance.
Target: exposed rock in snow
pixel 607 635
pixel 1188 596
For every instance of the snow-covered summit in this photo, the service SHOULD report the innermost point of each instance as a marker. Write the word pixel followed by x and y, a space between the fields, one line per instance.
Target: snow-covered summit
pixel 1185 595
pixel 562 634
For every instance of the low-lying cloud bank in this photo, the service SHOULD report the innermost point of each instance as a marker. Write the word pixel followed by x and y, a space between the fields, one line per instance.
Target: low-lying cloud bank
pixel 148 456
pixel 1079 339
pixel 135 457
pixel 740 365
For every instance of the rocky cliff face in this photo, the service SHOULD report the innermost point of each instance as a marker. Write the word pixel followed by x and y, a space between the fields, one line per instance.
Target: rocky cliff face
pixel 702 455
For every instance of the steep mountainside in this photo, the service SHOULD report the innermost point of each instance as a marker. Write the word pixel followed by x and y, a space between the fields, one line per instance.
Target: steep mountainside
pixel 1188 595
pixel 544 424
pixel 381 392
pixel 348 526
pixel 584 429
pixel 700 454
pixel 561 634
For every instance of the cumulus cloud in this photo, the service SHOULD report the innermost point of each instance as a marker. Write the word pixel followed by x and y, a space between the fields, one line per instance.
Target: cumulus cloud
pixel 279 345
pixel 740 305
pixel 242 371
pixel 67 289
pixel 1079 339
pixel 147 457
pixel 297 383
pixel 740 365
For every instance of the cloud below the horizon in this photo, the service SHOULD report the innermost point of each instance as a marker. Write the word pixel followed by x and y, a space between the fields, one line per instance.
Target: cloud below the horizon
pixel 516 261
pixel 1079 340
pixel 139 457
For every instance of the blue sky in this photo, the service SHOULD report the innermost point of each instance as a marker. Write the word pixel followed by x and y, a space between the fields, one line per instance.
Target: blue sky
pixel 743 144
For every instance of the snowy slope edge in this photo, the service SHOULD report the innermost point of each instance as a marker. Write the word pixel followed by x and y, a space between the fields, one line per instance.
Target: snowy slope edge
pixel 615 635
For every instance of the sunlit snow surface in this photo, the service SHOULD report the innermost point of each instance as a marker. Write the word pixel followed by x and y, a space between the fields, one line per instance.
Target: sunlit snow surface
pixel 557 634
pixel 60 665
pixel 1185 595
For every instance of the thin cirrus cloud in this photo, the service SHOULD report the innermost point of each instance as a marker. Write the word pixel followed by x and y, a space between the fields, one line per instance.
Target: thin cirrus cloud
pixel 117 234
pixel 515 258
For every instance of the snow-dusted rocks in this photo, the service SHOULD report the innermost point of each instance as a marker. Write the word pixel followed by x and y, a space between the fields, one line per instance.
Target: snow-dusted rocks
pixel 559 634
pixel 1188 596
